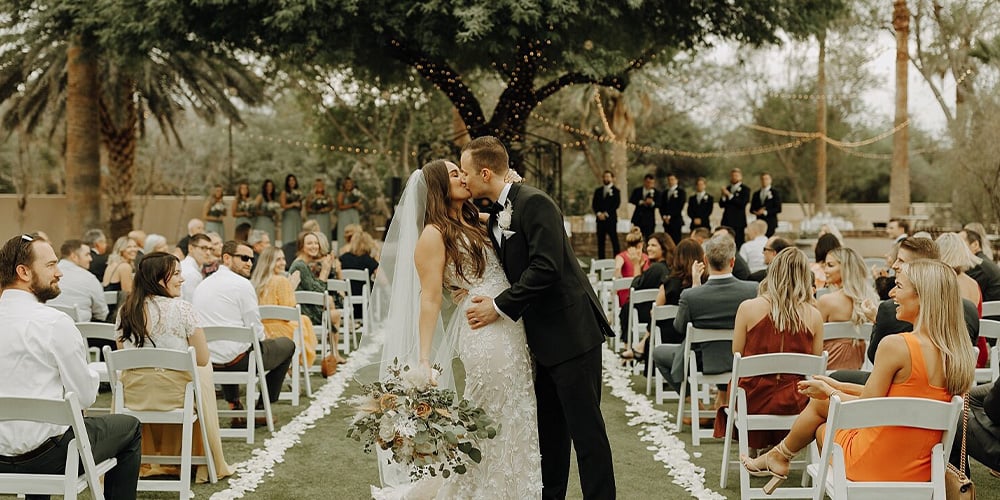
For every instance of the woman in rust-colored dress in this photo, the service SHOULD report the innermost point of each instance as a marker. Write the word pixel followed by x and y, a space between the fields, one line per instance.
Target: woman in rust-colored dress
pixel 781 319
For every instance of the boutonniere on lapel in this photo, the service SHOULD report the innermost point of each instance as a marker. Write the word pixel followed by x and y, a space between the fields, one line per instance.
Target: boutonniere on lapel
pixel 504 219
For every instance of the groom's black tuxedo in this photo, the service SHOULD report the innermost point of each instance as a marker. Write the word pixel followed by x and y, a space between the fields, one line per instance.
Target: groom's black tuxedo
pixel 549 290
pixel 565 328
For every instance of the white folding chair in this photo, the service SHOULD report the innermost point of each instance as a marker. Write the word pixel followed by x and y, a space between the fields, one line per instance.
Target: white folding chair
pixel 185 416
pixel 253 379
pixel 829 473
pixel 294 315
pixel 97 331
pixel 990 329
pixel 653 376
pixel 739 418
pixel 64 411
pixel 617 285
pixel 847 330
pixel 991 308
pixel 695 379
pixel 67 310
pixel 602 272
pixel 111 298
pixel 347 340
pixel 364 300
pixel 303 297
pixel 635 328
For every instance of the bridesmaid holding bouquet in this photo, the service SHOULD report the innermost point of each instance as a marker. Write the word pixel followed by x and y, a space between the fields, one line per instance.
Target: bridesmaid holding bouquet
pixel 319 204
pixel 214 211
pixel 266 208
pixel 291 209
pixel 243 205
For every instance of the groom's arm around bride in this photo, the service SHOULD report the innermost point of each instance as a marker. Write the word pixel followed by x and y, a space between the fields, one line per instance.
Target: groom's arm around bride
pixel 564 324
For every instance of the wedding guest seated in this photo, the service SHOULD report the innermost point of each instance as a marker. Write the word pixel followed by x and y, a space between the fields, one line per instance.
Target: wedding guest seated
pixel 983 434
pixel 291 247
pixel 227 298
pixel 194 226
pixel 700 235
pixel 629 263
pixel 851 299
pixel 349 233
pixel 80 289
pixel 94 238
pixel 741 270
pixel 259 240
pixel 659 249
pixel 687 269
pixel 315 266
pixel 985 272
pixel 934 362
pixel 781 319
pixel 772 247
pixel 44 356
pixel 752 250
pixel 711 305
pixel 155 243
pixel 823 246
pixel 275 289
pixel 360 246
pixel 153 315
pixel 199 253
pixel 215 256
pixel 118 275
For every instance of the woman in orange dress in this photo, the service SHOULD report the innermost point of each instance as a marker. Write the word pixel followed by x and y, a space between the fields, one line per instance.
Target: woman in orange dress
pixel 274 289
pixel 781 319
pixel 934 362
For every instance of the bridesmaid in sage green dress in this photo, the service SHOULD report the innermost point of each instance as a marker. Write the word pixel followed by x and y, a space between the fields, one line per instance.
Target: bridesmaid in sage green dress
pixel 266 208
pixel 291 209
pixel 243 205
pixel 214 211
pixel 348 202
pixel 319 204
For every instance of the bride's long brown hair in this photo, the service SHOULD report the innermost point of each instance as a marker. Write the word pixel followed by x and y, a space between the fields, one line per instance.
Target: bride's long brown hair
pixel 461 237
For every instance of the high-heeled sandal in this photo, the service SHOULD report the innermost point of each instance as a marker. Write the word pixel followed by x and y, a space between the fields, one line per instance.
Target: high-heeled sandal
pixel 758 469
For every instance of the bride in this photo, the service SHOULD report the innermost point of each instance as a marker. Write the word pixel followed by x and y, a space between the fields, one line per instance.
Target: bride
pixel 437 241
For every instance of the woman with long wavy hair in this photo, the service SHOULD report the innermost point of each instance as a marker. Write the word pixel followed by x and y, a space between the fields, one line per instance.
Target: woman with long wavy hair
pixel 781 319
pixel 453 251
pixel 851 299
pixel 933 361
pixel 275 289
pixel 154 316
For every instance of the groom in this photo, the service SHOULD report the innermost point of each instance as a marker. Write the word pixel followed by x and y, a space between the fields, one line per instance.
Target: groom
pixel 564 324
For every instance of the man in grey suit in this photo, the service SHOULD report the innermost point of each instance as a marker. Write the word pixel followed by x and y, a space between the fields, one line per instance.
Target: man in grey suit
pixel 711 305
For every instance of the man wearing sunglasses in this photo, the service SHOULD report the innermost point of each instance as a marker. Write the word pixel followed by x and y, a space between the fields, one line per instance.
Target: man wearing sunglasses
pixel 227 298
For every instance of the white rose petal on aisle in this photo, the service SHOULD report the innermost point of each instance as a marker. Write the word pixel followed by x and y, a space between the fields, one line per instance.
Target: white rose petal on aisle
pixel 656 427
pixel 251 473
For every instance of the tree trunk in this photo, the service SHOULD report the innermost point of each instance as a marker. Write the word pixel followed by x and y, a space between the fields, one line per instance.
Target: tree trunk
pixel 118 134
pixel 622 124
pixel 820 199
pixel 83 141
pixel 899 180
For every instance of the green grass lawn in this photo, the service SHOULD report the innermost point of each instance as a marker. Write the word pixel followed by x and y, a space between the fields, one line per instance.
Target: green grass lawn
pixel 324 464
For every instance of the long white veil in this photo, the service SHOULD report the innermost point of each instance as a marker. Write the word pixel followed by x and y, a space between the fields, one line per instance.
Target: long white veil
pixel 400 332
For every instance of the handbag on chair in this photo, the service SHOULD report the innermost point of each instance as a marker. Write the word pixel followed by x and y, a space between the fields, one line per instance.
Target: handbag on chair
pixel 958 486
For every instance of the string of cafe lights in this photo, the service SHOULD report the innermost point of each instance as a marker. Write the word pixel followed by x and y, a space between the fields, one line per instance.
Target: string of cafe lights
pixel 812 97
pixel 829 140
pixel 337 148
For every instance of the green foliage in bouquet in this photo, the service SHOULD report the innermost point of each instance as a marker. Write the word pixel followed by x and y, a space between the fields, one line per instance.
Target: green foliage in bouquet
pixel 423 426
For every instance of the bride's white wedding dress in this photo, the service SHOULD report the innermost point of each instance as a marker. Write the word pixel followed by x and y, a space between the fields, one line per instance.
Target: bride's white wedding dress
pixel 498 377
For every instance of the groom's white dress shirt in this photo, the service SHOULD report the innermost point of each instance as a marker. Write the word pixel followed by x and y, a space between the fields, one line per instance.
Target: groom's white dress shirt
pixel 498 234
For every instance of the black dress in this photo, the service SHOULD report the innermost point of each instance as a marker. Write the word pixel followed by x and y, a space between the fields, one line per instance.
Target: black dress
pixel 352 261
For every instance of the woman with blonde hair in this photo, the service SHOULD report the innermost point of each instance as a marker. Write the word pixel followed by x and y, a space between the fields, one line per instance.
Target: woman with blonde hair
pixel 956 254
pixel 630 262
pixel 275 289
pixel 118 275
pixel 933 361
pixel 781 319
pixel 852 299
pixel 315 265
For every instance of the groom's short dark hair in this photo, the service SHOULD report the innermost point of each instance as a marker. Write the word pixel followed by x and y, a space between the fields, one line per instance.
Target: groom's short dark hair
pixel 487 151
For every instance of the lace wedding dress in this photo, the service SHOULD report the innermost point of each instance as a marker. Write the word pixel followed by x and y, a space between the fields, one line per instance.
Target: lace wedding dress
pixel 498 377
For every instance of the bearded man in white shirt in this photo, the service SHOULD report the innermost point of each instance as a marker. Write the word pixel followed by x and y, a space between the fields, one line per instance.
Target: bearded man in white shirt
pixel 44 356
pixel 80 289
pixel 227 298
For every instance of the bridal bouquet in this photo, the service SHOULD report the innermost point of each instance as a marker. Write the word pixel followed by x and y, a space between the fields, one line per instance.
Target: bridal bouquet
pixel 422 425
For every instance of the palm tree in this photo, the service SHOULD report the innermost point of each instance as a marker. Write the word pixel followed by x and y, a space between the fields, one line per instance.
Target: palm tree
pixel 102 100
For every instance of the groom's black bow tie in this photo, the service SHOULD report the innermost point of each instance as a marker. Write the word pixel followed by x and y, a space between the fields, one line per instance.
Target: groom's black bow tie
pixel 493 209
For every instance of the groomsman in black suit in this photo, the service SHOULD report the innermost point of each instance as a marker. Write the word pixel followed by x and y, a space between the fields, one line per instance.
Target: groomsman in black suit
pixel 672 208
pixel 766 204
pixel 607 198
pixel 700 206
pixel 734 201
pixel 644 198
